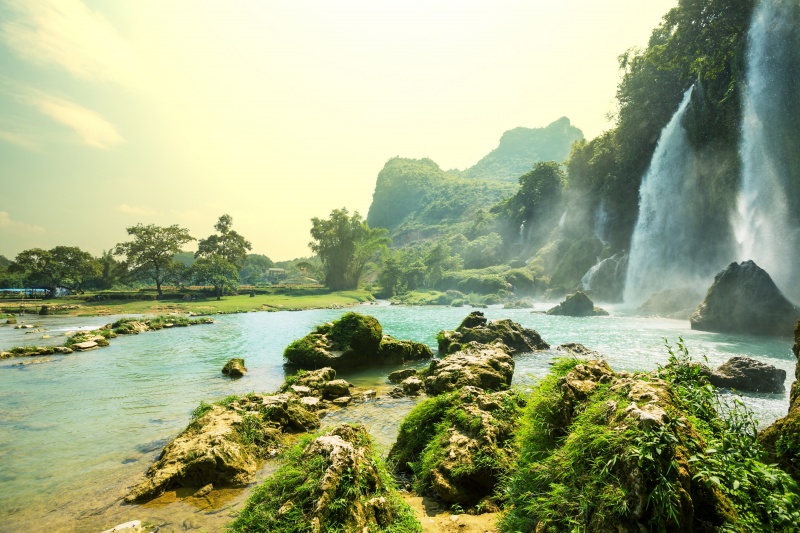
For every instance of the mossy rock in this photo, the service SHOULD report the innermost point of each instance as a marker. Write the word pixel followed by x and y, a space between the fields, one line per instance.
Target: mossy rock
pixel 781 440
pixel 577 304
pixel 234 368
pixel 459 446
pixel 648 452
pixel 353 340
pixel 487 367
pixel 329 483
pixel 476 328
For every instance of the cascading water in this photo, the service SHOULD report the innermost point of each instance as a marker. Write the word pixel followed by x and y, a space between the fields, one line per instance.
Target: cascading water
pixel 668 235
pixel 768 148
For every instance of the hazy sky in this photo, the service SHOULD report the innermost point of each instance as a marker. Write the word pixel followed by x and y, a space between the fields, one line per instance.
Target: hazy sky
pixel 175 112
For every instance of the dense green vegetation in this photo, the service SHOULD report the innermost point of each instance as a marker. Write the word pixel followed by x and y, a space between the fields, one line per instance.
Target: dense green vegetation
pixel 520 148
pixel 585 465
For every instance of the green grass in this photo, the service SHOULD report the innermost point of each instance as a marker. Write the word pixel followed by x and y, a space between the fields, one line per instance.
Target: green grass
pixel 285 503
pixel 278 300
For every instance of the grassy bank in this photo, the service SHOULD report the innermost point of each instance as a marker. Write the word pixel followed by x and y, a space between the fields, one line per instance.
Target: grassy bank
pixel 118 304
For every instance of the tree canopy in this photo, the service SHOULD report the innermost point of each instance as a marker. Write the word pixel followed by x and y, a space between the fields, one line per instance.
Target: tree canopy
pixel 151 251
pixel 345 244
pixel 62 266
pixel 221 256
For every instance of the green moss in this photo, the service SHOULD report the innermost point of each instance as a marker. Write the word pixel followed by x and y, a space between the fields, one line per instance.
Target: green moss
pixel 287 501
pixel 599 470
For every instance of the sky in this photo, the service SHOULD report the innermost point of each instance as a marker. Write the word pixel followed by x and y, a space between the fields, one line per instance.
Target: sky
pixel 114 113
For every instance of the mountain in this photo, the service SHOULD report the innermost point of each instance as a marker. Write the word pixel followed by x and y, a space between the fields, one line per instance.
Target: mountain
pixel 521 148
pixel 415 195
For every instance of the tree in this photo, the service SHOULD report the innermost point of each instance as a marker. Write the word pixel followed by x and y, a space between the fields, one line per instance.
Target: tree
pixel 151 251
pixel 255 269
pixel 62 266
pixel 221 256
pixel 345 244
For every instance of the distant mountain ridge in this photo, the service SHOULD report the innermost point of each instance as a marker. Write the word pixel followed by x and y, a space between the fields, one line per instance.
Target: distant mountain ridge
pixel 415 196
pixel 521 148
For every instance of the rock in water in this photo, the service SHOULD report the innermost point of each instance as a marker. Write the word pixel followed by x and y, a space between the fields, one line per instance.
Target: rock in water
pixel 781 440
pixel 577 304
pixel 478 365
pixel 748 375
pixel 744 299
pixel 210 450
pixel 476 328
pixel 351 341
pixel 672 303
pixel 234 368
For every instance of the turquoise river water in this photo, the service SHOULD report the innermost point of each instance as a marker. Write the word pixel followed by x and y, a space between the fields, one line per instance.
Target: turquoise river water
pixel 77 431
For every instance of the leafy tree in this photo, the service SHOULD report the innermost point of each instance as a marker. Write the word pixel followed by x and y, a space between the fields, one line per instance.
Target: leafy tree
pixel 150 253
pixel 221 256
pixel 345 244
pixel 62 266
pixel 256 269
pixel 4 261
pixel 112 271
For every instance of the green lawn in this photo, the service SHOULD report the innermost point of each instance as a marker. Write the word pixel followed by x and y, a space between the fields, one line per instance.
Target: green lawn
pixel 291 300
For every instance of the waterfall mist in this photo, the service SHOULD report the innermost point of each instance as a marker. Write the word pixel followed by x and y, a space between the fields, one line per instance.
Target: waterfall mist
pixel 763 223
pixel 668 248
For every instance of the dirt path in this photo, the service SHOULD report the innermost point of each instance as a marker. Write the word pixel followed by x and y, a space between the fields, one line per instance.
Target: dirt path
pixel 436 519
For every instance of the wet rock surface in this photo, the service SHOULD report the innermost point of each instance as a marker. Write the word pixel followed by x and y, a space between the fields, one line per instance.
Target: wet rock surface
pixel 476 328
pixel 226 444
pixel 744 299
pixel 748 375
pixel 234 368
pixel 484 366
pixel 577 304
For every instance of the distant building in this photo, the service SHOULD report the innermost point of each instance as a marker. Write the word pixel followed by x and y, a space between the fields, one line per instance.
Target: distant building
pixel 276 274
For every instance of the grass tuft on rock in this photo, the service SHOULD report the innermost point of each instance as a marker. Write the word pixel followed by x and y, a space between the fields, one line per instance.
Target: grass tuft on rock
pixel 329 483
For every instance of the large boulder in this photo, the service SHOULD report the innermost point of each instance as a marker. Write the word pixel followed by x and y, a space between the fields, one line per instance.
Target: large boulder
pixel 476 328
pixel 748 375
pixel 210 450
pixel 351 341
pixel 225 444
pixel 744 299
pixel 577 304
pixel 671 303
pixel 781 440
pixel 457 446
pixel 487 367
pixel 334 482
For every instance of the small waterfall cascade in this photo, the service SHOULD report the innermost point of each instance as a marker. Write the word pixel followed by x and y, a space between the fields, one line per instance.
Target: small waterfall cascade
pixel 770 129
pixel 601 222
pixel 667 233
pixel 605 280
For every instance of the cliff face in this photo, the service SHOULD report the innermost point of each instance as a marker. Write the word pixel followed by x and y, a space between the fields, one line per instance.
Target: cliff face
pixel 521 148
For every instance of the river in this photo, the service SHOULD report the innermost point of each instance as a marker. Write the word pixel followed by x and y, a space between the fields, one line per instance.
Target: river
pixel 77 431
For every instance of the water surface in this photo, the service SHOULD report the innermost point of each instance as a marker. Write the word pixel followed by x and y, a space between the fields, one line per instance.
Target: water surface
pixel 76 432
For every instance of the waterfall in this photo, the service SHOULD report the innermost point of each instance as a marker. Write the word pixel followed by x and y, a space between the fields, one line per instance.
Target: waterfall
pixel 668 237
pixel 601 222
pixel 606 278
pixel 768 147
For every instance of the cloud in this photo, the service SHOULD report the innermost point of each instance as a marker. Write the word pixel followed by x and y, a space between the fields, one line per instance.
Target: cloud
pixel 20 139
pixel 135 210
pixel 7 225
pixel 91 127
pixel 69 34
